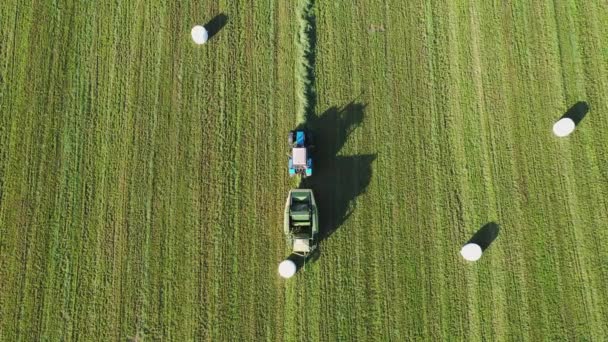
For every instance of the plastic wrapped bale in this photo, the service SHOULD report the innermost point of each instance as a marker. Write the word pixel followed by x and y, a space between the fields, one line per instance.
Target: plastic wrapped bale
pixel 564 127
pixel 287 269
pixel 199 34
pixel 471 252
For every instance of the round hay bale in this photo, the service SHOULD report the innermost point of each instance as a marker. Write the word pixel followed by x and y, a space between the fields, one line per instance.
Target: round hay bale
pixel 563 127
pixel 199 35
pixel 287 269
pixel 471 252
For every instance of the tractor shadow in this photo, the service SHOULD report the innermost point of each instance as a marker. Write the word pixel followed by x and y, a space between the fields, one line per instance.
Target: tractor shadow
pixel 215 25
pixel 337 180
pixel 577 112
pixel 486 235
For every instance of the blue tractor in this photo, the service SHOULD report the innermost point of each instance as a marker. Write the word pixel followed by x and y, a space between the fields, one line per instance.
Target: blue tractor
pixel 300 162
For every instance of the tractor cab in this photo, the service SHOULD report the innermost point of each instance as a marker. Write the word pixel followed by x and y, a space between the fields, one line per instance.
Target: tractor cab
pixel 300 161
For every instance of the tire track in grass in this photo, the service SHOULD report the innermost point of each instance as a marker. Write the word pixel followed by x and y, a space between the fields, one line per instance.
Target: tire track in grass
pixel 248 264
pixel 429 154
pixel 473 171
pixel 534 249
pixel 229 229
pixel 233 191
pixel 374 252
pixel 264 160
pixel 440 162
pixel 175 176
pixel 103 137
pixel 30 307
pixel 212 111
pixel 208 112
pixel 144 105
pixel 460 203
pixel 382 80
pixel 493 101
pixel 466 137
pixel 80 231
pixel 376 276
pixel 208 98
pixel 409 106
pixel 534 253
pixel 509 176
pixel 12 216
pixel 126 160
pixel 7 46
pixel 130 182
pixel 79 103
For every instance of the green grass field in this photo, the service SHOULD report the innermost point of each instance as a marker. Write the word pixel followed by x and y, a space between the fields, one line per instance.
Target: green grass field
pixel 143 178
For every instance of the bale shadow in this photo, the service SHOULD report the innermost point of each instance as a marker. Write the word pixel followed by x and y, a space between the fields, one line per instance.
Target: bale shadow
pixel 486 235
pixel 216 24
pixel 577 112
pixel 337 180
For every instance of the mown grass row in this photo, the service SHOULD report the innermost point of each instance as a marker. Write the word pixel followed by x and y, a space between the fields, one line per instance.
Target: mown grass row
pixel 306 46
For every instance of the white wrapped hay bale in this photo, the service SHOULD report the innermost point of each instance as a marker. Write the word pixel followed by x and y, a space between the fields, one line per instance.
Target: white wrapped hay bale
pixel 287 269
pixel 199 35
pixel 471 252
pixel 564 127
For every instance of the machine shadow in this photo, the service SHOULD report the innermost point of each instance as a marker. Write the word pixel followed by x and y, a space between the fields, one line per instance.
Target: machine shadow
pixel 337 180
pixel 216 24
pixel 577 112
pixel 486 235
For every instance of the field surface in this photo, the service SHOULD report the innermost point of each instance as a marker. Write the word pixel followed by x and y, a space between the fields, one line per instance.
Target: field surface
pixel 143 178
